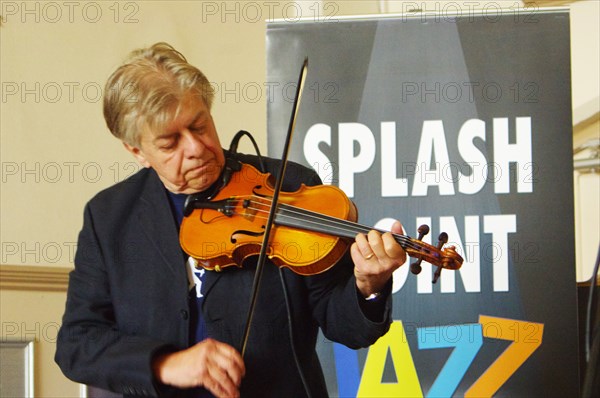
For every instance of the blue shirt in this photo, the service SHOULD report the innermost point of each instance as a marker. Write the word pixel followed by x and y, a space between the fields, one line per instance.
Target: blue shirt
pixel 197 325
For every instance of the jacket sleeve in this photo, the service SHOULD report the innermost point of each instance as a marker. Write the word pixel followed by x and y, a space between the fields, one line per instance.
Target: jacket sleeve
pixel 338 309
pixel 337 306
pixel 90 347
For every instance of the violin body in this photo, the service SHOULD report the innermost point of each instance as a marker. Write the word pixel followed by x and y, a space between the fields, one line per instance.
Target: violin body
pixel 311 231
pixel 229 228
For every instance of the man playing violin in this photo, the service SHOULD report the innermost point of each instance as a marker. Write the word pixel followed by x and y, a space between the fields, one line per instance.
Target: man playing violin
pixel 141 320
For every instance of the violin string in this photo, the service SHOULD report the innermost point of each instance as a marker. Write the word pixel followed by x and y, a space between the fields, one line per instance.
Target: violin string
pixel 342 225
pixel 347 228
pixel 286 211
pixel 303 216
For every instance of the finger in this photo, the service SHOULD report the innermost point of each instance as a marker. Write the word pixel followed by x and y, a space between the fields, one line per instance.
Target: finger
pixel 397 227
pixel 376 244
pixel 230 360
pixel 223 368
pixel 356 254
pixel 223 376
pixel 393 249
pixel 226 355
pixel 364 247
pixel 219 383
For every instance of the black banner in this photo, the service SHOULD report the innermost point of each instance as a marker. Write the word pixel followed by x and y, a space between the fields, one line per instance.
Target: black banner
pixel 464 124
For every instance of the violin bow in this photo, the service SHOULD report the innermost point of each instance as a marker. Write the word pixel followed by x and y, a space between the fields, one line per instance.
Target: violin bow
pixel 270 220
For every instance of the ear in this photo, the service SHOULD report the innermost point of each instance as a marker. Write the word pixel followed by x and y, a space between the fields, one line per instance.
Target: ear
pixel 138 154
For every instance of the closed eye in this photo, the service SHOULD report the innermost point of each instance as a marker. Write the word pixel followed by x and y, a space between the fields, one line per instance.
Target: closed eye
pixel 197 129
pixel 166 144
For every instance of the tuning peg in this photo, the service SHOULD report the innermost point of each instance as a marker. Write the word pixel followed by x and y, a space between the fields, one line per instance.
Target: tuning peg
pixel 423 230
pixel 415 267
pixel 442 240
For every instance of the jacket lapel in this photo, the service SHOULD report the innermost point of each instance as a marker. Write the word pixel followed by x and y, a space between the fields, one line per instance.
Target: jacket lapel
pixel 159 226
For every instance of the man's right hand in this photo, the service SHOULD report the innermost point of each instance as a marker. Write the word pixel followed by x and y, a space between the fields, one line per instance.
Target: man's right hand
pixel 216 366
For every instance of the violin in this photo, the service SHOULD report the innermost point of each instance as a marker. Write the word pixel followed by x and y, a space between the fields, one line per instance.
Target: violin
pixel 311 231
pixel 307 231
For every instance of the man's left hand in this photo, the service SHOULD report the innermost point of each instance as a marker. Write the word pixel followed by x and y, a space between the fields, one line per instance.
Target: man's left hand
pixel 376 256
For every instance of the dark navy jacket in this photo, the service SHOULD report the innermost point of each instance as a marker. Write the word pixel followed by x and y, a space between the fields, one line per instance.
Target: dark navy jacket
pixel 128 300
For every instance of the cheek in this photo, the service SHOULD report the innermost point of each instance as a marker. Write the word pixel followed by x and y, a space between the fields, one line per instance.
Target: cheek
pixel 218 149
pixel 172 167
pixel 212 141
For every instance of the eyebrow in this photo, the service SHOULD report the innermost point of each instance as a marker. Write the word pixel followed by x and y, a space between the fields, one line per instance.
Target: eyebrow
pixel 168 134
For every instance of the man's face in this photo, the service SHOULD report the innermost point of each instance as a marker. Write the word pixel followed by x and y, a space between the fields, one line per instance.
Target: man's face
pixel 187 155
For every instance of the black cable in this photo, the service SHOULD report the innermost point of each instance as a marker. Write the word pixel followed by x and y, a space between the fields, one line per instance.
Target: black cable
pixel 232 152
pixel 291 333
pixel 234 144
pixel 231 165
pixel 589 316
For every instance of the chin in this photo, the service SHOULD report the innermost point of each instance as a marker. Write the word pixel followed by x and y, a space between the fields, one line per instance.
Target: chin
pixel 199 185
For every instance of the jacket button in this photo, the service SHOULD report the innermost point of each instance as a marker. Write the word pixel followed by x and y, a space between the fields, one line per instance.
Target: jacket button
pixel 184 314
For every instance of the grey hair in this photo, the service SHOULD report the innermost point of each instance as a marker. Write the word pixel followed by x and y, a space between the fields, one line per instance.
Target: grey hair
pixel 146 91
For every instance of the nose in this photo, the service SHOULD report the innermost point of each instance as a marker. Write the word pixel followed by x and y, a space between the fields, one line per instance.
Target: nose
pixel 193 145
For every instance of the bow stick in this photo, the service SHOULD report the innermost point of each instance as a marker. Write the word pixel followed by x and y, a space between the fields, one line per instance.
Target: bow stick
pixel 277 188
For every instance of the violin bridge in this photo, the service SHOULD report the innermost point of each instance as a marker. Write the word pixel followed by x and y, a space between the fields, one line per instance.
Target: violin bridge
pixel 249 211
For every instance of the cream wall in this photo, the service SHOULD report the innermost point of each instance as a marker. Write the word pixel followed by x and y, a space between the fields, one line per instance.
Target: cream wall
pixel 56 152
pixel 586 184
pixel 31 310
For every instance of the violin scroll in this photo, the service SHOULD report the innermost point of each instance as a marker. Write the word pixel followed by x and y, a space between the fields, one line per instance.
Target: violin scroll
pixel 442 258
